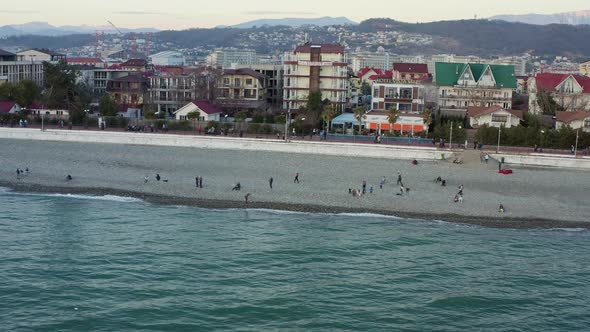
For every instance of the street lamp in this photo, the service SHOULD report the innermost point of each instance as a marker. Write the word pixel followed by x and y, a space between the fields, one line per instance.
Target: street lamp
pixel 542 133
pixel 451 136
pixel 499 135
pixel 576 148
pixel 287 120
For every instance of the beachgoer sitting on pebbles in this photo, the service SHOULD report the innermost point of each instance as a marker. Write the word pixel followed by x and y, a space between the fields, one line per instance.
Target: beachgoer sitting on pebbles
pixel 237 187
pixel 443 183
pixel 158 177
pixel 501 209
pixel 69 177
pixel 438 180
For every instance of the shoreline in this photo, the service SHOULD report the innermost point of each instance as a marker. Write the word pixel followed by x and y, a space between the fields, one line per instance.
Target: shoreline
pixel 158 199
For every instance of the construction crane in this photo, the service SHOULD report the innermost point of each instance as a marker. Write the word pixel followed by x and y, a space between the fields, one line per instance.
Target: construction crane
pixel 134 43
pixel 114 26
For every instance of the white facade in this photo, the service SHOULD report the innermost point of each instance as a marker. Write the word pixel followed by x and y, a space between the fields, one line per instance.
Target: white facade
pixel 183 112
pixel 228 57
pixel 499 118
pixel 16 71
pixel 168 58
pixel 303 75
pixel 362 60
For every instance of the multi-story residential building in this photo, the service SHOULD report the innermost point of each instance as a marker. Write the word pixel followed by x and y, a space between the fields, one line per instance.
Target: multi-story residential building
pixel 315 67
pixel 273 82
pixel 494 116
pixel 377 60
pixel 97 79
pixel 575 120
pixel 135 65
pixel 169 90
pixel 167 58
pixel 572 92
pixel 462 85
pixel 13 70
pixel 241 90
pixel 232 57
pixel 40 55
pixel 585 68
pixel 92 62
pixel 410 71
pixel 130 90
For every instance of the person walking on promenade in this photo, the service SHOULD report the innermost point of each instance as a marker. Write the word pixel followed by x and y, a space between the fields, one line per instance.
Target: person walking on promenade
pixel 486 158
pixel 399 178
pixel 270 181
pixel 296 180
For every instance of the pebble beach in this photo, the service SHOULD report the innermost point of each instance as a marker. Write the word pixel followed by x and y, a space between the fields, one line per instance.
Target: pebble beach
pixel 532 197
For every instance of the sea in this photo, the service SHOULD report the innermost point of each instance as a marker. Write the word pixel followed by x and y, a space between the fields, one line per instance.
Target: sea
pixel 108 263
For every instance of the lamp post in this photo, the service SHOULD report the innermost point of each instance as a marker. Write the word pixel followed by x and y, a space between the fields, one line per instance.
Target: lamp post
pixel 287 120
pixel 542 136
pixel 451 137
pixel 42 121
pixel 576 147
pixel 499 135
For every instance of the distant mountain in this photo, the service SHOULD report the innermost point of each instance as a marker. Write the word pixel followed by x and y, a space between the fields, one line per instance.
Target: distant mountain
pixel 46 29
pixel 296 22
pixel 572 18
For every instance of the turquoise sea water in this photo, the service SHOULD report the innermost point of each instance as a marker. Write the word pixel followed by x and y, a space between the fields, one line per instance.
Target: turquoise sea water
pixel 75 263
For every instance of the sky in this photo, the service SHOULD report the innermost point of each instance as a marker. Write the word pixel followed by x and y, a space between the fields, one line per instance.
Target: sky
pixel 183 14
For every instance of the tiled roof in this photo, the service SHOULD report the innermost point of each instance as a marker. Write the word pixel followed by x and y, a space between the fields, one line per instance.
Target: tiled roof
pixel 84 60
pixel 475 111
pixel 567 117
pixel 447 74
pixel 364 71
pixel 388 74
pixel 418 68
pixel 244 71
pixel 207 107
pixel 5 53
pixel 6 106
pixel 324 48
pixel 135 63
pixel 131 78
pixel 550 81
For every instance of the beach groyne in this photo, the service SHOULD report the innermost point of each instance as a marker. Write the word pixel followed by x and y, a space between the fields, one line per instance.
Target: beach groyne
pixel 543 160
pixel 231 143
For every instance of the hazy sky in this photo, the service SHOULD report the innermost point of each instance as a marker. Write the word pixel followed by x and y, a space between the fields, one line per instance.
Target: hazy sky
pixel 180 14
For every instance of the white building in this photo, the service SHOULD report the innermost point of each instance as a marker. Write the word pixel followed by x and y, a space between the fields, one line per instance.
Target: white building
pixel 494 116
pixel 315 67
pixel 9 107
pixel 167 58
pixel 228 57
pixel 207 111
pixel 13 70
pixel 362 60
pixel 40 55
pixel 576 120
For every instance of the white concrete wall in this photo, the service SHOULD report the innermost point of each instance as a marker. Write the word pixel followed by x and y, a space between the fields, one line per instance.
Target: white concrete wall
pixel 229 143
pixel 544 160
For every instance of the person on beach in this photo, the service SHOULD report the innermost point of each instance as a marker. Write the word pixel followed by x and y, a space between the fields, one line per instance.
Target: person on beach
pixel 460 190
pixel 370 189
pixel 158 177
pixel 350 191
pixel 145 179
pixel 27 171
pixel 402 190
pixel 381 183
pixel 399 178
pixel 438 180
pixel 197 182
pixel 296 180
pixel 237 187
pixel 270 181
pixel 69 177
pixel 443 183
pixel 18 174
pixel 461 199
pixel 501 208
pixel 364 187
pixel 201 182
pixel 246 197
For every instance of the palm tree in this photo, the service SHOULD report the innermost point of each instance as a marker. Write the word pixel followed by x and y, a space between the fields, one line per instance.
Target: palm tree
pixel 328 115
pixel 427 116
pixel 392 117
pixel 360 114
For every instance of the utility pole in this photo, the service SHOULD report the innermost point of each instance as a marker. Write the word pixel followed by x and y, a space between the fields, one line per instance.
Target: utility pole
pixel 451 137
pixel 499 135
pixel 576 148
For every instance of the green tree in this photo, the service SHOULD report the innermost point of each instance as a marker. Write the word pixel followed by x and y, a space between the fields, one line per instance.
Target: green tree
pixel 328 115
pixel 107 106
pixel 314 106
pixel 27 93
pixel 547 104
pixel 392 117
pixel 8 91
pixel 360 114
pixel 194 115
pixel 62 91
pixel 427 116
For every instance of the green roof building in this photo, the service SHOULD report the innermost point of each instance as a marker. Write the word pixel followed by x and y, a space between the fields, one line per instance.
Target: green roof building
pixel 464 85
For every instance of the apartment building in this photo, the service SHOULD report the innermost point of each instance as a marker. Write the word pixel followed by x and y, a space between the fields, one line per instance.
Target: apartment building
pixel 377 60
pixel 129 90
pixel 315 67
pixel 274 83
pixel 40 55
pixel 171 90
pixel 462 85
pixel 13 70
pixel 572 92
pixel 232 57
pixel 241 89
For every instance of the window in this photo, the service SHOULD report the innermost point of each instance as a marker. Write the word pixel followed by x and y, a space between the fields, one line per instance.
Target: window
pixel 375 106
pixel 237 82
pixel 505 106
pixel 405 93
pixel 587 123
pixel 499 118
pixel 226 81
pixel 389 106
pixel 249 93
pixel 248 81
pixel 376 92
pixel 405 107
